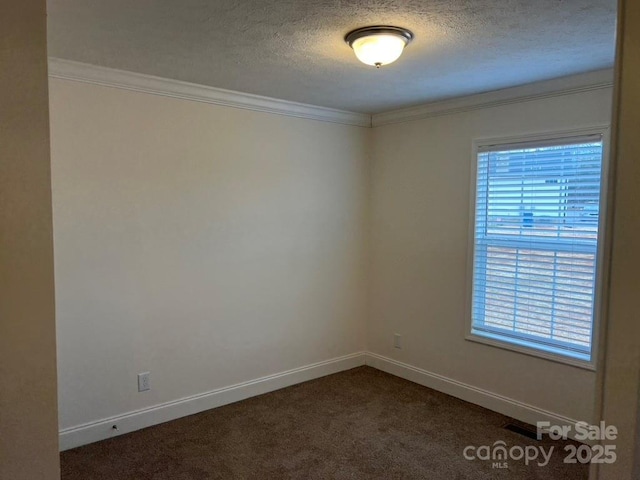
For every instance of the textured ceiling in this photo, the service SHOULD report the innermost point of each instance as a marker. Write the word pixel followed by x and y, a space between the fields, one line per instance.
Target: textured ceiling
pixel 294 50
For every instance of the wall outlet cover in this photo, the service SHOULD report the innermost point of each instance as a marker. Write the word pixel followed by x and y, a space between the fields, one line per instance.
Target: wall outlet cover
pixel 144 380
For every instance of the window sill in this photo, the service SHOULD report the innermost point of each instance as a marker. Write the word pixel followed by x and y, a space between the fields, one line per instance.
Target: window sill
pixel 487 339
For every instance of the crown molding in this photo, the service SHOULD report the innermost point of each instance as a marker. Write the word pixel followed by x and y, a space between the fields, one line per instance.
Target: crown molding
pixel 584 82
pixel 110 77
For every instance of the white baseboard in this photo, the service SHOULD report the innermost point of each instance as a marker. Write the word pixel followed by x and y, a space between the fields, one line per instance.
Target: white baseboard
pixel 147 417
pixel 506 406
pixel 131 421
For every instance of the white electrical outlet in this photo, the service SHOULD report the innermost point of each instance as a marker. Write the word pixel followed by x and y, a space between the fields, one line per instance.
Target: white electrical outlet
pixel 144 381
pixel 397 341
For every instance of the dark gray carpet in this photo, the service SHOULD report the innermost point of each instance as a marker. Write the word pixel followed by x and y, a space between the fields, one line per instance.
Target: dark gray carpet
pixel 359 424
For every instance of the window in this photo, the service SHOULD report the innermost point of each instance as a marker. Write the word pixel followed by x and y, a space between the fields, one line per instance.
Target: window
pixel 535 249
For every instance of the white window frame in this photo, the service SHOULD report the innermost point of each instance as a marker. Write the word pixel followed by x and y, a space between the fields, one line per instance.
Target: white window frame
pixel 604 131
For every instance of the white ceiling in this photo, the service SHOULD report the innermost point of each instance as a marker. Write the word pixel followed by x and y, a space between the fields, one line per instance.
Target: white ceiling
pixel 294 50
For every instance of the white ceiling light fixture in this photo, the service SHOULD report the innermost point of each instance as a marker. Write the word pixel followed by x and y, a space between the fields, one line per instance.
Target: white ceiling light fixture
pixel 379 45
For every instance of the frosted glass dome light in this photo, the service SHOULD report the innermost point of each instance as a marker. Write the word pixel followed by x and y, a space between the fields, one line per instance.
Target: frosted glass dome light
pixel 378 46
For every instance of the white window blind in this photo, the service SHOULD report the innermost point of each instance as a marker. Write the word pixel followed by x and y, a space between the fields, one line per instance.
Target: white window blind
pixel 535 244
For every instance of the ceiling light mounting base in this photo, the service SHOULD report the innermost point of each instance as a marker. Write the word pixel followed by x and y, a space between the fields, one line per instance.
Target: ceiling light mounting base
pixel 377 30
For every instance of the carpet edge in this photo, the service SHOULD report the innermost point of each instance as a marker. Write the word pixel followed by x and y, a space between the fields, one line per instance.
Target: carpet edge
pixel 506 406
pixel 102 429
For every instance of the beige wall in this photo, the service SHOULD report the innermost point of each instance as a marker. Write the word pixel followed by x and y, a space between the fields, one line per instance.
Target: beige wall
pixel 419 244
pixel 622 370
pixel 28 415
pixel 206 244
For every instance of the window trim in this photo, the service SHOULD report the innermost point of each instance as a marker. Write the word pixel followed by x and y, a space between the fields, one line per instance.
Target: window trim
pixel 522 348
